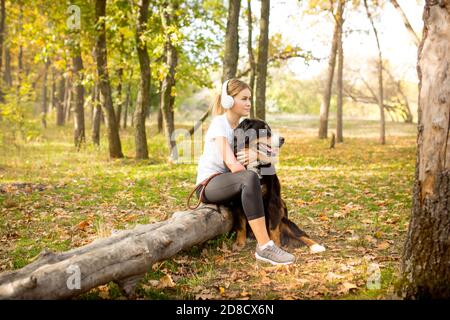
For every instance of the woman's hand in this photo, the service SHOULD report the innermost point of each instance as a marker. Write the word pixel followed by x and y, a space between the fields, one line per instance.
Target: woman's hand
pixel 247 156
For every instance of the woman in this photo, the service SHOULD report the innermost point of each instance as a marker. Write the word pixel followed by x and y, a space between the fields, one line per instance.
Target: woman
pixel 230 179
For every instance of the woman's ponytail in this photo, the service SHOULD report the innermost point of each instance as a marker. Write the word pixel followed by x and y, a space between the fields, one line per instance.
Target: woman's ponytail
pixel 217 108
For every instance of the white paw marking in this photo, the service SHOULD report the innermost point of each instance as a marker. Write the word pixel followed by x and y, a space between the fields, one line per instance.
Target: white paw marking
pixel 316 248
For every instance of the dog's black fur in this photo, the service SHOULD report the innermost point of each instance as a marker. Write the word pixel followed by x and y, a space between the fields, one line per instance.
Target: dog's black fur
pixel 281 230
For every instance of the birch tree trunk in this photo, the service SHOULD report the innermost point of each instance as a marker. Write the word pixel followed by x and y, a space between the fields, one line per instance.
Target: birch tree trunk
pixel 426 255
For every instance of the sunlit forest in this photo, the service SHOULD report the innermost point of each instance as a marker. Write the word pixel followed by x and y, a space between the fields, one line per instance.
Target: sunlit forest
pixel 104 106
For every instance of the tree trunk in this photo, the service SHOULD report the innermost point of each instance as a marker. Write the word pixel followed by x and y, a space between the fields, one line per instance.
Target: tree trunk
pixel 7 77
pixel 380 79
pixel 79 134
pixel 143 98
pixel 60 101
pixel 67 97
pixel 2 39
pixel 115 147
pixel 340 70
pixel 96 117
pixel 231 52
pixel 406 22
pixel 168 83
pixel 407 112
pixel 124 257
pixel 127 101
pixel 19 68
pixel 44 95
pixel 251 57
pixel 20 53
pixel 199 123
pixel 53 91
pixel 326 97
pixel 119 95
pixel 263 52
pixel 160 119
pixel 426 256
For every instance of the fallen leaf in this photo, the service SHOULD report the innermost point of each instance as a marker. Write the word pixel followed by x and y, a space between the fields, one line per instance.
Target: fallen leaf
pixel 245 294
pixel 346 287
pixel 83 225
pixel 383 245
pixel 332 276
pixel 378 234
pixel 339 215
pixel 166 282
pixel 130 217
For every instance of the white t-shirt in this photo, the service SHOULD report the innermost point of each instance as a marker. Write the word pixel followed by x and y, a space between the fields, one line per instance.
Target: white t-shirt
pixel 211 161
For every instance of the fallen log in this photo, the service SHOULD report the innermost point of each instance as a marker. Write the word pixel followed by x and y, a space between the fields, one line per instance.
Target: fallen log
pixel 124 257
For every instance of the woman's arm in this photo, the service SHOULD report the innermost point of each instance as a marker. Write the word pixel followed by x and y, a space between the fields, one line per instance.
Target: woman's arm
pixel 228 155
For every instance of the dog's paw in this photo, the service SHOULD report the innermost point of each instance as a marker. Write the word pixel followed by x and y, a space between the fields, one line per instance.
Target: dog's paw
pixel 238 246
pixel 316 248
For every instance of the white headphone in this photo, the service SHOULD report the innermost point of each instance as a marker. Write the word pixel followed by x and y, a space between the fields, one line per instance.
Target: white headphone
pixel 226 100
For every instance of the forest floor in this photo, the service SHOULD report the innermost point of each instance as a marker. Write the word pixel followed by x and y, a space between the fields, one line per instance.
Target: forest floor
pixel 354 199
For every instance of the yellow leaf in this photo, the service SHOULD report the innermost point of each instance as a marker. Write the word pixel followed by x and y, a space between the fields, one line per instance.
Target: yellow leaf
pixel 378 234
pixel 166 282
pixel 83 225
pixel 383 246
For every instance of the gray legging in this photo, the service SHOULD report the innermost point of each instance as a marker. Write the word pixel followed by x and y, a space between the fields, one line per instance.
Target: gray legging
pixel 228 186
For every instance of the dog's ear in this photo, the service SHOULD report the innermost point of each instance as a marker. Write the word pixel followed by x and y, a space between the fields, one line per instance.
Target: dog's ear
pixel 245 124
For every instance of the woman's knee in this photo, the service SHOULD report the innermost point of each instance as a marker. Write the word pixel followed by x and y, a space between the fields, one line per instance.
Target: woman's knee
pixel 250 178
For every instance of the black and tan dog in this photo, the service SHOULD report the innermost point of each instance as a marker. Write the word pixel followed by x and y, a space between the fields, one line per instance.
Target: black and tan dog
pixel 256 135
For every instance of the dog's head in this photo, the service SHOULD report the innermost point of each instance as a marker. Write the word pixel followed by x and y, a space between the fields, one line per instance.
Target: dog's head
pixel 256 135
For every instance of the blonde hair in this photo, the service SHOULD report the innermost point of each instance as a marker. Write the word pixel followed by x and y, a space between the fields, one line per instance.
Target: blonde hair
pixel 233 88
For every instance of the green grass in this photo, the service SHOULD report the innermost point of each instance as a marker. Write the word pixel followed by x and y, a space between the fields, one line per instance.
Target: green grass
pixel 355 199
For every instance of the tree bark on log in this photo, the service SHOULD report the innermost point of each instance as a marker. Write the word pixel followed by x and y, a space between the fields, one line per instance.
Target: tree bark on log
pixel 124 257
